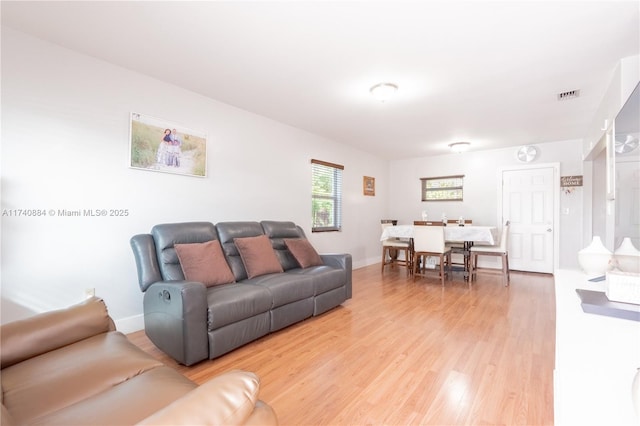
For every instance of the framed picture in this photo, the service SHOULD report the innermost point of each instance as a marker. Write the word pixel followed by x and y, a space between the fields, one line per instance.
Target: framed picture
pixel 369 185
pixel 164 146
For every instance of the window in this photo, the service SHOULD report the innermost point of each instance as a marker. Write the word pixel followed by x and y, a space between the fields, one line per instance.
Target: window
pixel 326 197
pixel 443 188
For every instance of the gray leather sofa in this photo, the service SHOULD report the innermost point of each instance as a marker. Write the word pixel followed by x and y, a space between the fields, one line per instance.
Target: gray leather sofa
pixel 192 322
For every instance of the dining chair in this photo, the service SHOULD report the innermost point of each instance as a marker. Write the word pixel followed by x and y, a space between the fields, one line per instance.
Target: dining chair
pixel 458 247
pixel 391 248
pixel 427 223
pixel 428 241
pixel 501 250
pixel 456 221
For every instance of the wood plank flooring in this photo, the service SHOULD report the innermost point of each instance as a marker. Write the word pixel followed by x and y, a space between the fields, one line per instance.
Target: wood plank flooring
pixel 402 352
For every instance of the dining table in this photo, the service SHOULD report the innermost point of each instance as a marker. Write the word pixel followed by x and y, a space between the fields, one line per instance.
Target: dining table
pixel 468 235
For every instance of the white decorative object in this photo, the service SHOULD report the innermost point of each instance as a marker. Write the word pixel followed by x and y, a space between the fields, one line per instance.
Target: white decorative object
pixel 424 215
pixel 595 259
pixel 623 287
pixel 628 257
pixel 625 146
pixel 527 153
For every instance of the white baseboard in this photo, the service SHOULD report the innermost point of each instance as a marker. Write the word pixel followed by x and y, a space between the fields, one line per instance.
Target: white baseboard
pixel 130 324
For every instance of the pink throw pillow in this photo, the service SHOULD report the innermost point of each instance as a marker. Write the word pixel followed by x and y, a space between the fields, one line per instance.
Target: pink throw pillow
pixel 303 252
pixel 258 255
pixel 205 263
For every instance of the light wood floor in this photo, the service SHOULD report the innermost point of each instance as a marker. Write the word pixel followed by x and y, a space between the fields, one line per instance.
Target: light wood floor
pixel 402 352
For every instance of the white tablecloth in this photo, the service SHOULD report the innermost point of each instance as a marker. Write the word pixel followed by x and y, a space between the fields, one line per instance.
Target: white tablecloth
pixel 476 234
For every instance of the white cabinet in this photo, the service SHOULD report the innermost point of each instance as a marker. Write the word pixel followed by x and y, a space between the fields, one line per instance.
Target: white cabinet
pixel 625 78
pixel 596 359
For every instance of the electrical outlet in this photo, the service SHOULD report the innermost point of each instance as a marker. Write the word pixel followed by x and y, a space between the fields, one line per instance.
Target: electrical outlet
pixel 89 292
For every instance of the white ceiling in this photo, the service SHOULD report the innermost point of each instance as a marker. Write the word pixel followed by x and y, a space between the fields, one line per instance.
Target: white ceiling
pixel 478 71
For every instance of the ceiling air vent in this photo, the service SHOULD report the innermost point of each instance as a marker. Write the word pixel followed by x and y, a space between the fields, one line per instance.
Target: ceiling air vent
pixel 572 94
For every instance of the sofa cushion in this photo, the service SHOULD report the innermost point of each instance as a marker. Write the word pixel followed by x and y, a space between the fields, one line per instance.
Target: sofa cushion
pixel 231 303
pixel 303 252
pixel 27 338
pixel 234 396
pixel 258 255
pixel 167 235
pixel 325 278
pixel 278 231
pixel 285 288
pixel 205 263
pixel 126 403
pixel 76 373
pixel 227 233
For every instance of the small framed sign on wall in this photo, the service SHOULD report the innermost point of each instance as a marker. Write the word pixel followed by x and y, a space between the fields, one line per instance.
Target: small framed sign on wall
pixel 369 185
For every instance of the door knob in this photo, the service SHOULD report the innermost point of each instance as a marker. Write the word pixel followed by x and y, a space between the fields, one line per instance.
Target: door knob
pixel 548 229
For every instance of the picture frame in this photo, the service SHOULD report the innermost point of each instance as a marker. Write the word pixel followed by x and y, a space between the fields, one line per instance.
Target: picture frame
pixel 165 146
pixel 369 186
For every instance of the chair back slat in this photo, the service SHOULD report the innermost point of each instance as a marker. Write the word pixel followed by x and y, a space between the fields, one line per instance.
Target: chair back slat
pixel 504 237
pixel 427 223
pixel 428 239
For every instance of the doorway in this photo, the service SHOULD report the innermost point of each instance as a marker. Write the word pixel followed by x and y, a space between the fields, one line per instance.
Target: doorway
pixel 530 196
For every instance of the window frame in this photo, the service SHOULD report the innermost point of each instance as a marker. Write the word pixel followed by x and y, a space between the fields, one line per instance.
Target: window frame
pixel 335 172
pixel 439 188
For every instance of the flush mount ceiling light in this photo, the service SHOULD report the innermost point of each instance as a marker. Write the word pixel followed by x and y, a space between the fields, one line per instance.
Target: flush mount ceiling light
pixel 459 147
pixel 383 91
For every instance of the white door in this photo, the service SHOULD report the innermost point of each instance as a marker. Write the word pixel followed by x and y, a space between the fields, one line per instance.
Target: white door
pixel 527 202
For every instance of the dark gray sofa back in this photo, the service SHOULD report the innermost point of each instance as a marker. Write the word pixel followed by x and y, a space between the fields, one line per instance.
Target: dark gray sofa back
pixel 144 251
pixel 157 260
pixel 227 231
pixel 168 234
pixel 277 231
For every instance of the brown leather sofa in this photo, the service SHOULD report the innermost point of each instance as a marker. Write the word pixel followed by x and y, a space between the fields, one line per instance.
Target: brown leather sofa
pixel 70 367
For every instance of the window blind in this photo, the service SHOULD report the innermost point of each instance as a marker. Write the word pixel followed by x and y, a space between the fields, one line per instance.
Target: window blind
pixel 326 196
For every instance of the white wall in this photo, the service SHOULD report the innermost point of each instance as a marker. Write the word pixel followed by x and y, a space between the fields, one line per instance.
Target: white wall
pixel 65 145
pixel 481 189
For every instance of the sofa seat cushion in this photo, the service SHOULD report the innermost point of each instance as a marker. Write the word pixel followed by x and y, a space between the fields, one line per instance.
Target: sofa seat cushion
pixel 231 303
pixel 38 388
pixel 285 288
pixel 324 278
pixel 152 391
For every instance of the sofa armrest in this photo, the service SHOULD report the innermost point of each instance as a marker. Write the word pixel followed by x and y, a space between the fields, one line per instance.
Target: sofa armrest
pixel 24 339
pixel 144 252
pixel 341 261
pixel 175 319
pixel 229 399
